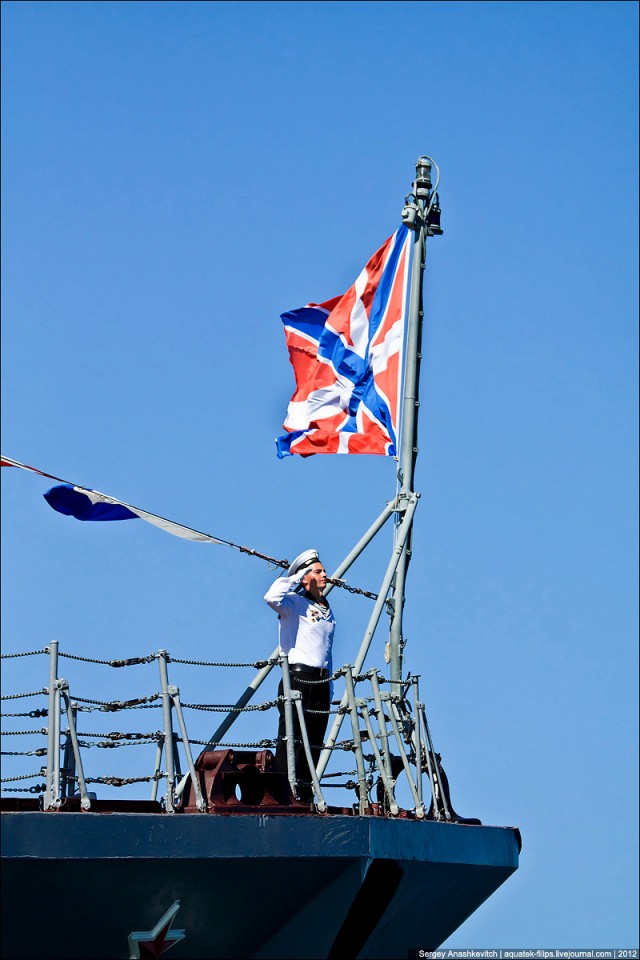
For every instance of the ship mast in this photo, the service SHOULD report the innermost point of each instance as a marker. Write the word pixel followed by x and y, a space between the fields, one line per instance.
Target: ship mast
pixel 421 213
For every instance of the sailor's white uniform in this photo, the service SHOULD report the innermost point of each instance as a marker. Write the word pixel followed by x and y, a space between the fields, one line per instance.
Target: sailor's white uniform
pixel 306 636
pixel 306 627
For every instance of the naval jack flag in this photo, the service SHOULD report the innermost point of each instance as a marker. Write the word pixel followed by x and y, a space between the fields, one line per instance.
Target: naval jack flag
pixel 347 357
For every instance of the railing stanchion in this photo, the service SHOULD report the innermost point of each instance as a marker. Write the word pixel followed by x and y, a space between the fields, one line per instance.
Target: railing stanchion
pixel 288 720
pixel 85 802
pixel 168 729
pixel 417 736
pixel 156 772
pixel 357 743
pixel 382 723
pixel 321 802
pixel 174 693
pixel 387 781
pixel 439 795
pixel 52 790
pixel 403 756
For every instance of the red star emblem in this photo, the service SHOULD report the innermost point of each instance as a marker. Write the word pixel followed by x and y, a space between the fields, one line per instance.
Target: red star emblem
pixel 148 944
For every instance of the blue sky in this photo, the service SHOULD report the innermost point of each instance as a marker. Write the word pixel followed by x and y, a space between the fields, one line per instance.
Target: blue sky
pixel 175 176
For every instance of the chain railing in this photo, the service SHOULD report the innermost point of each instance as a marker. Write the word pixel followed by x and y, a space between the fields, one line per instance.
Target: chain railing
pixel 390 738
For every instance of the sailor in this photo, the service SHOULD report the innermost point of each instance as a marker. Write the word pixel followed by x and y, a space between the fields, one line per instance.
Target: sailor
pixel 306 633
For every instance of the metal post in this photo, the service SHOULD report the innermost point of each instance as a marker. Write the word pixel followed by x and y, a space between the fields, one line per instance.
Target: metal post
pixel 357 743
pixel 439 786
pixel 320 801
pixel 85 802
pixel 52 790
pixel 176 762
pixel 405 526
pixel 409 446
pixel 288 720
pixel 174 693
pixel 168 729
pixel 435 791
pixel 396 610
pixel 419 221
pixel 403 757
pixel 382 723
pixel 387 780
pixel 417 736
pixel 154 788
pixel 56 733
pixel 68 770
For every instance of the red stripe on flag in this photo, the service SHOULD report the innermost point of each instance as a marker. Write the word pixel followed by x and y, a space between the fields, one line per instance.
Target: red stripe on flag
pixel 310 373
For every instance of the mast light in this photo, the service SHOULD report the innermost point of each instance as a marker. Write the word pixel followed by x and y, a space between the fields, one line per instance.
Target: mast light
pixel 423 178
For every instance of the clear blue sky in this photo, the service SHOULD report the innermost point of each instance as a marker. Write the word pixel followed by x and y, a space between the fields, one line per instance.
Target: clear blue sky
pixel 176 175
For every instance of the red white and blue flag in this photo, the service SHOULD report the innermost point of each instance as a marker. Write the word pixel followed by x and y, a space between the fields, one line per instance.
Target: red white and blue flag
pixel 347 357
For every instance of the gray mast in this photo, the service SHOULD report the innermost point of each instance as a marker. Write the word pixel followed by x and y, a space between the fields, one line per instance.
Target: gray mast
pixel 421 214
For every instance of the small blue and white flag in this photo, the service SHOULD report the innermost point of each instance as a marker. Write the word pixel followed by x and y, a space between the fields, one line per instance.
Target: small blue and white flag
pixel 85 504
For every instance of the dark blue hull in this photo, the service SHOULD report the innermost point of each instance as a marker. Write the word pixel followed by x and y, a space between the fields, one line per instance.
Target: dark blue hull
pixel 75 885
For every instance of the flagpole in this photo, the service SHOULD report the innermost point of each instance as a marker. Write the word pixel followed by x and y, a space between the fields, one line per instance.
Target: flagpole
pixel 421 213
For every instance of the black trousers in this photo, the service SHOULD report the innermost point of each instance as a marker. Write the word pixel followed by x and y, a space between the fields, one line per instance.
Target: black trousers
pixel 315 696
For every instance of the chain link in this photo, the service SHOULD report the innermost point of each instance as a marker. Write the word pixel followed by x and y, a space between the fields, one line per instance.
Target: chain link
pixel 25 776
pixel 311 683
pixel 38 788
pixel 28 653
pixel 257 664
pixel 108 706
pixel 106 709
pixel 345 586
pixel 213 708
pixel 122 781
pixel 115 744
pixel 19 696
pixel 116 735
pixel 30 713
pixel 342 773
pixel 131 662
pixel 20 733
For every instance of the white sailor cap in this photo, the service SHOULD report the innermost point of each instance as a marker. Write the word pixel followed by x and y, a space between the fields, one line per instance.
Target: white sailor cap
pixel 304 559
